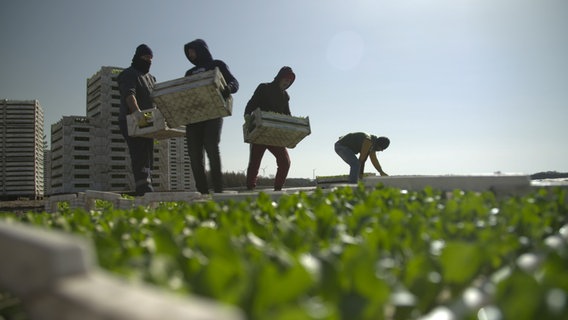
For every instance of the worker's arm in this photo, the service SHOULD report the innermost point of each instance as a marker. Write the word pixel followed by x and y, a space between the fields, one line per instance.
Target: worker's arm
pixel 132 104
pixel 364 154
pixel 376 164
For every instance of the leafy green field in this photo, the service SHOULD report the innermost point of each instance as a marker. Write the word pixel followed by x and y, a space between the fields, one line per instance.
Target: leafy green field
pixel 346 254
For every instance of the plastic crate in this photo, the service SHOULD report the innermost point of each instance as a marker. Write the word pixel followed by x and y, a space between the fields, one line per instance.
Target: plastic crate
pixel 275 129
pixel 156 126
pixel 193 99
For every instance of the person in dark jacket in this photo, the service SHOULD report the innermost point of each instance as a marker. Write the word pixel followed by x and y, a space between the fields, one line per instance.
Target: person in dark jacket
pixel 136 84
pixel 206 135
pixel 270 96
pixel 364 144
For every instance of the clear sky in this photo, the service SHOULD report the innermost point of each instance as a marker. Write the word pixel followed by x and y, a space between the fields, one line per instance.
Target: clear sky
pixel 459 86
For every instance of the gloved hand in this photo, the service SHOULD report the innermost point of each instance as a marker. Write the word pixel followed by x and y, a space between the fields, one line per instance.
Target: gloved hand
pixel 226 92
pixel 249 122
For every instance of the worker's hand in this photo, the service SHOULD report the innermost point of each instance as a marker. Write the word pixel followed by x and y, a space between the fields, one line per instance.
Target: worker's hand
pixel 226 92
pixel 140 119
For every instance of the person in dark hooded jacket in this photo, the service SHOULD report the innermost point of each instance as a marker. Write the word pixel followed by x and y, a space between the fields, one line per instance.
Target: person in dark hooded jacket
pixel 270 96
pixel 136 84
pixel 206 135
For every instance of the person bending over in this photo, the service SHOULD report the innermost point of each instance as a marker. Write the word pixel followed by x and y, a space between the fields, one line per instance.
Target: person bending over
pixel 364 144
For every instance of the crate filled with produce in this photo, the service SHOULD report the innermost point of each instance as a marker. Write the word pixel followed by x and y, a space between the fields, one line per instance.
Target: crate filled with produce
pixel 151 123
pixel 193 98
pixel 275 129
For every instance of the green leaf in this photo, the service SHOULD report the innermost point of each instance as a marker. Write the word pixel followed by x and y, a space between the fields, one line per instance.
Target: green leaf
pixel 276 287
pixel 519 296
pixel 460 262
pixel 165 242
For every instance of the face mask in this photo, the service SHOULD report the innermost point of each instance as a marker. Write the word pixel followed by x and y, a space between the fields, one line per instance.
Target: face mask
pixel 142 65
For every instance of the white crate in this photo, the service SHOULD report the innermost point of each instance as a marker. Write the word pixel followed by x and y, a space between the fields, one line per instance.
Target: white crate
pixel 275 129
pixel 156 128
pixel 193 99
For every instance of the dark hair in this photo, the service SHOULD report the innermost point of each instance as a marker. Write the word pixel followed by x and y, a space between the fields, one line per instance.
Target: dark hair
pixel 381 143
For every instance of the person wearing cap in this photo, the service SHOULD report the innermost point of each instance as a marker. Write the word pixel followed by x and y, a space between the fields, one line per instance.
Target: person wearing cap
pixel 364 144
pixel 272 97
pixel 206 135
pixel 135 84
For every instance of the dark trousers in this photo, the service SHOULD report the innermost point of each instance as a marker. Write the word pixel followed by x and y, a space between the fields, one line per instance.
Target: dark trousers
pixel 282 161
pixel 141 152
pixel 201 136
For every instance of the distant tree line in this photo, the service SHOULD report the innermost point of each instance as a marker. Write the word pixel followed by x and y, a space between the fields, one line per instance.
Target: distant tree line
pixel 549 175
pixel 238 181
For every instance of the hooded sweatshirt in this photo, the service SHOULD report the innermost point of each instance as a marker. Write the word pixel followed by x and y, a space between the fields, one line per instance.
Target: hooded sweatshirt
pixel 270 97
pixel 136 80
pixel 205 62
